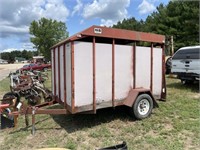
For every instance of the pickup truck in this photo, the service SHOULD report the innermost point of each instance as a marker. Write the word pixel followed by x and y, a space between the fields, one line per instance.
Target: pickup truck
pixel 40 67
pixel 186 64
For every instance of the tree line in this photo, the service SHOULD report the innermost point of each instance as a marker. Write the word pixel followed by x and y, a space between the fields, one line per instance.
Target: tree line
pixel 179 19
pixel 10 56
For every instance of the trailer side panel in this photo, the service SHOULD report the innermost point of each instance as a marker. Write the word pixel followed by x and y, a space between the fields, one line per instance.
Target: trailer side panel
pixel 157 72
pixel 61 74
pixel 143 67
pixel 52 71
pixel 68 73
pixel 56 78
pixel 123 71
pixel 103 72
pixel 83 73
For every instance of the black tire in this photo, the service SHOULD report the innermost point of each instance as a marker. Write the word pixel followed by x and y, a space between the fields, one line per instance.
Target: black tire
pixel 142 107
pixel 12 96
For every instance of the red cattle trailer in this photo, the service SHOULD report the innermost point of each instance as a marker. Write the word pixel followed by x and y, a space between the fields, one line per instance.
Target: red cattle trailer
pixel 104 67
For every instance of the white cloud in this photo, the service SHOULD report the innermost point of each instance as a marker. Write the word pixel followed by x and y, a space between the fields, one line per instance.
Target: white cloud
pixel 25 46
pixel 9 50
pixel 12 29
pixel 109 11
pixel 107 22
pixel 17 15
pixel 28 46
pixel 78 7
pixel 82 21
pixel 146 7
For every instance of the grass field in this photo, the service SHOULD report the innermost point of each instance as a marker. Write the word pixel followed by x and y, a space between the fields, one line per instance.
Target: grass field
pixel 175 125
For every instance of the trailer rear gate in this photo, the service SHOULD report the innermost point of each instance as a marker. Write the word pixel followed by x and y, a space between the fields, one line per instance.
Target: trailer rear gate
pixel 98 67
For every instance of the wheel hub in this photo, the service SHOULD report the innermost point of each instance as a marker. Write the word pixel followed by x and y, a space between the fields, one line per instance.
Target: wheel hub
pixel 143 107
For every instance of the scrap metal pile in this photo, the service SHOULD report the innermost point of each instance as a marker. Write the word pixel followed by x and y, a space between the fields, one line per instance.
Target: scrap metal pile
pixel 26 90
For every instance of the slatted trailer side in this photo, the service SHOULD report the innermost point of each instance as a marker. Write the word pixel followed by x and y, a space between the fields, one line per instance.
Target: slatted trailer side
pixel 101 67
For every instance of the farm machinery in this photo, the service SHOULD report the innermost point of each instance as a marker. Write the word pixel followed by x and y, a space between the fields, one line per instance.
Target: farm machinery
pixel 26 90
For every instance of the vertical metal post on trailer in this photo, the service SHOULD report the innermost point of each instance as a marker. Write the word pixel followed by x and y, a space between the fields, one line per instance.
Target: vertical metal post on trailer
pixel 54 71
pixel 59 73
pixel 72 78
pixel 151 69
pixel 94 73
pixel 163 89
pixel 113 72
pixel 134 61
pixel 33 120
pixel 65 89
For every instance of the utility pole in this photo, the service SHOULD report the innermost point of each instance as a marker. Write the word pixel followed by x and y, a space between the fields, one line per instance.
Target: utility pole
pixel 172 45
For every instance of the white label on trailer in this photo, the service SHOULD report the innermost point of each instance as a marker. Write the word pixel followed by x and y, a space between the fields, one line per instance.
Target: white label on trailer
pixel 98 30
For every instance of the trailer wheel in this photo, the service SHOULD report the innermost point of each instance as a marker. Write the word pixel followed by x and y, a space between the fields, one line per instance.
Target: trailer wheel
pixel 142 107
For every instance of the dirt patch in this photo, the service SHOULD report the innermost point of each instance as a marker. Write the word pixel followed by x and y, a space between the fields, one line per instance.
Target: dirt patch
pixel 1 139
pixel 11 66
pixel 169 127
pixel 197 96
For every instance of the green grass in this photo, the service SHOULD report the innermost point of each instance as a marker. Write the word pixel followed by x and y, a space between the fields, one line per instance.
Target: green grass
pixel 174 125
pixel 4 87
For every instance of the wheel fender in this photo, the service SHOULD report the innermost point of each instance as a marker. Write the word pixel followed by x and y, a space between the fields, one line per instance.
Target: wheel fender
pixel 133 94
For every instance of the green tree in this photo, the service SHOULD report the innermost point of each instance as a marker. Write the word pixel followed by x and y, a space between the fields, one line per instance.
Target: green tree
pixel 26 54
pixel 45 33
pixel 179 19
pixel 5 55
pixel 130 24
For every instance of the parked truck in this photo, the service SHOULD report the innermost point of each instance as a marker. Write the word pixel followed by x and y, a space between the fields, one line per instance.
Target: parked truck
pixel 186 64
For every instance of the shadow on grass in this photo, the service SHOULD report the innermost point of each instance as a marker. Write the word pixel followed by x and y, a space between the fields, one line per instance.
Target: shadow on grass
pixel 178 85
pixel 29 126
pixel 76 122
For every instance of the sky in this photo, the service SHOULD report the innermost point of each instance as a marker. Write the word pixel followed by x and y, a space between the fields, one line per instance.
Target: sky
pixel 16 16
